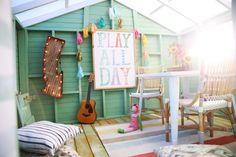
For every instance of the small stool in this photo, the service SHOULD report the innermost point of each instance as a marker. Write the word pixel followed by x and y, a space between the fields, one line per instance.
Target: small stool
pixel 196 150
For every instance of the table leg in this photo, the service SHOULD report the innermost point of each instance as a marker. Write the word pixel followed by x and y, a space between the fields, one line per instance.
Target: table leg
pixel 174 105
pixel 141 95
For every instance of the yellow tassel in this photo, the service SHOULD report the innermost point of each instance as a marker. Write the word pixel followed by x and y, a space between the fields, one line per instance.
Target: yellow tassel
pixel 85 32
pixel 144 39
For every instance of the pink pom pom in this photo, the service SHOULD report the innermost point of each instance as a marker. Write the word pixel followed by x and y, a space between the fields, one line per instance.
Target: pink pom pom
pixel 137 34
pixel 79 39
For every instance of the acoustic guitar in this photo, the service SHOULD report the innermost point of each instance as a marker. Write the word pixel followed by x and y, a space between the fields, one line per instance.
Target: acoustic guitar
pixel 87 113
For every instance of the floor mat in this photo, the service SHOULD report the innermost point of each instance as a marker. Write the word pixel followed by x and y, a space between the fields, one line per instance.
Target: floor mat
pixel 147 141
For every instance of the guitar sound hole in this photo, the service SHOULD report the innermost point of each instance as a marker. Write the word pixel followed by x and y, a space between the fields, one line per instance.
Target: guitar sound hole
pixel 87 106
pixel 90 110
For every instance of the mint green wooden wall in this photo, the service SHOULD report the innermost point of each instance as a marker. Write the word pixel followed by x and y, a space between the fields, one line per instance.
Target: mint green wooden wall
pixel 109 103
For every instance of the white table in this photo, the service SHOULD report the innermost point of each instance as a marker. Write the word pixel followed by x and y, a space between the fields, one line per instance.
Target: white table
pixel 173 79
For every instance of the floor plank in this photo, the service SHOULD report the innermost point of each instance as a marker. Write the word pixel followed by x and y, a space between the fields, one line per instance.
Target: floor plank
pixel 82 145
pixel 71 143
pixel 94 141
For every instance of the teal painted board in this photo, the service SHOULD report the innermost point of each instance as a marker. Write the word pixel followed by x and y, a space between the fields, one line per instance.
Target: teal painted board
pixel 70 21
pixel 138 52
pixel 87 61
pixel 23 70
pixel 69 68
pixel 67 108
pixel 70 44
pixel 155 60
pixel 36 49
pixel 114 103
pixel 153 45
pixel 153 48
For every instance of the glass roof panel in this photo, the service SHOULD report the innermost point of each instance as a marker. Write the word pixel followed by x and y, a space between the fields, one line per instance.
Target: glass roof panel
pixel 144 7
pixel 172 20
pixel 198 10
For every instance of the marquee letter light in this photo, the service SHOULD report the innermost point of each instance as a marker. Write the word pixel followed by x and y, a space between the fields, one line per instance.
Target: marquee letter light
pixel 51 76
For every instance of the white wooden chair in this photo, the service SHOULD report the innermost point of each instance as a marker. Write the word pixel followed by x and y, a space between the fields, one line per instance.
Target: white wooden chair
pixel 152 88
pixel 215 94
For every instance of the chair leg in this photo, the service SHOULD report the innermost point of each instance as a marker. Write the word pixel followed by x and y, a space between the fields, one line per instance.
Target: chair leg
pixel 182 115
pixel 201 128
pixel 162 109
pixel 232 119
pixel 210 121
pixel 130 101
pixel 167 124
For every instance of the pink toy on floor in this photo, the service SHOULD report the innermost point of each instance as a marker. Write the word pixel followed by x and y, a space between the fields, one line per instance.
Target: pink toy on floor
pixel 135 120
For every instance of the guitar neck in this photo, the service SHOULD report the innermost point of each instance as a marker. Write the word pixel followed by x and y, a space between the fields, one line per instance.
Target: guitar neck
pixel 89 91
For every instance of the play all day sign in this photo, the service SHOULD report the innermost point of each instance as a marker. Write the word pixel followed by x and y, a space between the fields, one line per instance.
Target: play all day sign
pixel 113 59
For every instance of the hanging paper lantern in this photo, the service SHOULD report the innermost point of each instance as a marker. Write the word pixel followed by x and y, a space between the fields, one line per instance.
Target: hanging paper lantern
pixel 79 39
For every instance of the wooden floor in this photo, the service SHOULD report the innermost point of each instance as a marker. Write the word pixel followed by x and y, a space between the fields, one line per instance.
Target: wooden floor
pixel 88 144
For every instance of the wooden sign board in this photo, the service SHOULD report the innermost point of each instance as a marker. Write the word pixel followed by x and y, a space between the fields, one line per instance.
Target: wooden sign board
pixel 113 59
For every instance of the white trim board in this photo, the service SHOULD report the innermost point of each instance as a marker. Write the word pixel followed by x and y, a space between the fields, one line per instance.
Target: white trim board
pixel 30 17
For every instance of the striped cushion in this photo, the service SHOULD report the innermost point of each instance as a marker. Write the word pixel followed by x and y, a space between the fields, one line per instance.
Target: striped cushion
pixel 45 137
